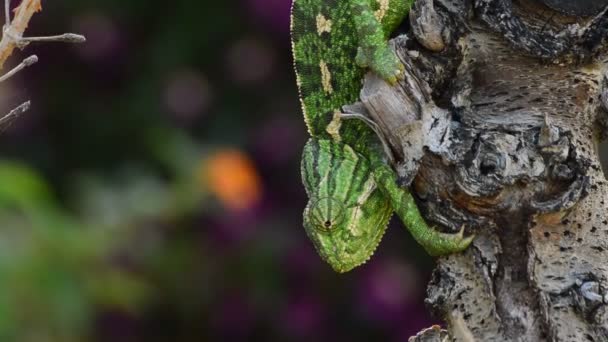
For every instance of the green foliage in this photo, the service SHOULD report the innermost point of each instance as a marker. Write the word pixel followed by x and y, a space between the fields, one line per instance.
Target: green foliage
pixel 54 270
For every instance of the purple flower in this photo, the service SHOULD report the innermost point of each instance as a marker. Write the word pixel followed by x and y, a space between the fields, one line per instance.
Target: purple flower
pixel 250 61
pixel 117 326
pixel 105 34
pixel 235 318
pixel 391 294
pixel 272 13
pixel 235 226
pixel 303 316
pixel 188 94
pixel 279 140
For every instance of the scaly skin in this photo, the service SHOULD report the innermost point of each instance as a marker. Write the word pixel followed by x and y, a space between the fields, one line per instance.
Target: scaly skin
pixel 352 190
pixel 347 214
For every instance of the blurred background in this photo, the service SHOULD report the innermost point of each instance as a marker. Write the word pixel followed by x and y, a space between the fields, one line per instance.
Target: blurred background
pixel 153 191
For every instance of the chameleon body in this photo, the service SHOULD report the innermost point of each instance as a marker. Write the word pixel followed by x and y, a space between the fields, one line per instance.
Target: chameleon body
pixel 352 189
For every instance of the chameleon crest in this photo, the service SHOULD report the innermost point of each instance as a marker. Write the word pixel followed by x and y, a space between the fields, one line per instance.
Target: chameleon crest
pixel 331 41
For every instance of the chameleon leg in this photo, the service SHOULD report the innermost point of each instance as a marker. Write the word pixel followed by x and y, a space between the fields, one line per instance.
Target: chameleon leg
pixel 434 242
pixel 373 51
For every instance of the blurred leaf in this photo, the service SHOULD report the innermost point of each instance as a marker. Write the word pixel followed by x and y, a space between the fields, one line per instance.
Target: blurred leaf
pixel 21 186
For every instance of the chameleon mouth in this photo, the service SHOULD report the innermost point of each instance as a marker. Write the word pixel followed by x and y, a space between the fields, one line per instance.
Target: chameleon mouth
pixel 355 260
pixel 342 251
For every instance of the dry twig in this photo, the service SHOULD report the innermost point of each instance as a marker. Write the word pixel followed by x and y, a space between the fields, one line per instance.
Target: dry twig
pixel 12 37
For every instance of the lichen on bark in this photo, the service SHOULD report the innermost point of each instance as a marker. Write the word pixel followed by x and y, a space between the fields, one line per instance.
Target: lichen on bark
pixel 496 127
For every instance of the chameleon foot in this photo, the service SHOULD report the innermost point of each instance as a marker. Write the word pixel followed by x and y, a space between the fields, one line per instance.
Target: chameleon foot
pixel 437 243
pixel 383 61
pixel 434 242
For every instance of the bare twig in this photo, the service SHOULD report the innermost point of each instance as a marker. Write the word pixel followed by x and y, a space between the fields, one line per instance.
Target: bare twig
pixel 33 59
pixel 13 30
pixel 12 37
pixel 14 114
pixel 12 34
pixel 7 12
pixel 62 38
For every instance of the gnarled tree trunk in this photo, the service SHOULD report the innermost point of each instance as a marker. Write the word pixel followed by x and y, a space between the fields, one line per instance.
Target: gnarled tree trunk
pixel 496 127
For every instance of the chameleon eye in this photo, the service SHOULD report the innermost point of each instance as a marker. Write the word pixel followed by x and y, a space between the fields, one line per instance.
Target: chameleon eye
pixel 326 213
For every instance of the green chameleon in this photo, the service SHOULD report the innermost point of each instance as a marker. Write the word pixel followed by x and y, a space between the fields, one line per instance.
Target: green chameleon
pixel 352 187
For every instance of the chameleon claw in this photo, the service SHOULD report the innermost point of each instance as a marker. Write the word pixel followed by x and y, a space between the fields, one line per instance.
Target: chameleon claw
pixel 398 73
pixel 383 61
pixel 438 244
pixel 461 232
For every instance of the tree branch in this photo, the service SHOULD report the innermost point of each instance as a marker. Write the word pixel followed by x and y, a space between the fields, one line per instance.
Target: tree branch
pixel 12 37
pixel 505 143
pixel 13 30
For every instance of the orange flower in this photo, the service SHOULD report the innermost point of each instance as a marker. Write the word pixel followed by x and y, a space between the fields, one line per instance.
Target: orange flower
pixel 232 177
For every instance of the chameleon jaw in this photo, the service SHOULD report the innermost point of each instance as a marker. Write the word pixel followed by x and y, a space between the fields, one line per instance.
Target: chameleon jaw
pixel 339 248
pixel 347 267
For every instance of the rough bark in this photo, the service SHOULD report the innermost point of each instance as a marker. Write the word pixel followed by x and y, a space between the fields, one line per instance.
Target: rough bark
pixel 495 126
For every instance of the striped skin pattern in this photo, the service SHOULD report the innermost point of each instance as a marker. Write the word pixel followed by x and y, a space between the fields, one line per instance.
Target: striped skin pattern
pixel 347 214
pixel 350 203
pixel 328 36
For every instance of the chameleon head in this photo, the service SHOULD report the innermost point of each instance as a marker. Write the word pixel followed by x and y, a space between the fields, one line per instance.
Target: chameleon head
pixel 347 214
